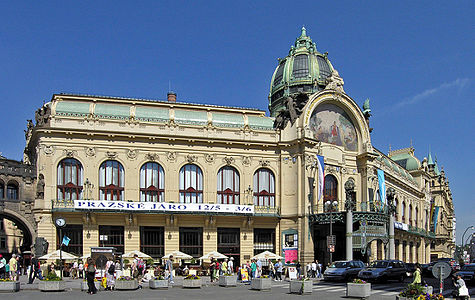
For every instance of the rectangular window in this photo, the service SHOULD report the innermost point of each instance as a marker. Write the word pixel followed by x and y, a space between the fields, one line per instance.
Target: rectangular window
pixel 300 68
pixel 191 241
pixel 152 241
pixel 112 236
pixel 74 233
pixel 264 240
pixel 291 240
pixel 3 242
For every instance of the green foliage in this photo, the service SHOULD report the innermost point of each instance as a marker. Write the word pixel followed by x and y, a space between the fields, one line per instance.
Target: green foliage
pixel 52 277
pixel 126 261
pixel 150 261
pixel 412 291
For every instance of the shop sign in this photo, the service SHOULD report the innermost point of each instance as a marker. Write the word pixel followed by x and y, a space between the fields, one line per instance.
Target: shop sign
pixel 163 207
pixel 401 226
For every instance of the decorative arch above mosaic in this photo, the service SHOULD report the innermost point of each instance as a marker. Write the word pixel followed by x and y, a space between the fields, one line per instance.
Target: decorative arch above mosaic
pixel 331 124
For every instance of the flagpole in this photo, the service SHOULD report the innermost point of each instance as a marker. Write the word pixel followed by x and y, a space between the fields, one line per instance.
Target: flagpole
pixel 61 253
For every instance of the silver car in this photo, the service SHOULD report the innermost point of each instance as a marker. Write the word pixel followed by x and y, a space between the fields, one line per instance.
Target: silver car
pixel 343 270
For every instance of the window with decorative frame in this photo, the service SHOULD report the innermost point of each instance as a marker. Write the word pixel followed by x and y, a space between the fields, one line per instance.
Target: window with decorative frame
pixel 111 180
pixel 12 190
pixel 228 186
pixel 152 183
pixel 191 241
pixel 191 184
pixel 264 188
pixel 152 241
pixel 70 179
pixel 330 189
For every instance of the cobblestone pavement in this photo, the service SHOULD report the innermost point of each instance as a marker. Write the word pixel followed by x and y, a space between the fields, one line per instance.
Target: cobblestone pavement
pixel 280 290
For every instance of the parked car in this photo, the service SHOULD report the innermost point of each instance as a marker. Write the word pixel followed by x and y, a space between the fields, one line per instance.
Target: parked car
pixel 343 270
pixel 383 270
pixel 468 273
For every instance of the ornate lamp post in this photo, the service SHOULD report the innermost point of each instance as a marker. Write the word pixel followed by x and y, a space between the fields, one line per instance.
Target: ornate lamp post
pixel 350 207
pixel 463 236
pixel 390 193
pixel 331 206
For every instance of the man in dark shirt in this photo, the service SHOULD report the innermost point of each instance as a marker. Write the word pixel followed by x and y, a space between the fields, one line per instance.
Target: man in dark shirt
pixel 34 268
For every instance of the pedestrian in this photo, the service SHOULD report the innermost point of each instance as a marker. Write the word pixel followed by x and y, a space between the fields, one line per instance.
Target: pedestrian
pixel 81 269
pixel 138 267
pixel 298 266
pixel 314 268
pixel 74 270
pixel 34 268
pixel 110 275
pixel 3 264
pixel 212 270
pixel 224 267
pixel 319 270
pixel 90 276
pixel 259 268
pixel 417 275
pixel 253 268
pixel 309 269
pixel 13 267
pixel 169 269
pixel 461 289
pixel 231 266
pixel 278 269
pixel 271 269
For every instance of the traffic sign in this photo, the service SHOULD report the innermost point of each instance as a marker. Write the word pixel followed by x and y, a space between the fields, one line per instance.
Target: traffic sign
pixel 331 248
pixel 441 270
pixel 331 240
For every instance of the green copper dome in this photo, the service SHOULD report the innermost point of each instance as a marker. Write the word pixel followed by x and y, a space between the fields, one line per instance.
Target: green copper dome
pixel 303 70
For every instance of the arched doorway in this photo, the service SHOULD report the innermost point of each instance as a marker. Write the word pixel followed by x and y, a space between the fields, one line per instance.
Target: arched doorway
pixel 20 222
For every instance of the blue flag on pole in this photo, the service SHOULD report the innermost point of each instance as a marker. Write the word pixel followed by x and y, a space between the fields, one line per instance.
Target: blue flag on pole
pixel 66 240
pixel 382 187
pixel 321 176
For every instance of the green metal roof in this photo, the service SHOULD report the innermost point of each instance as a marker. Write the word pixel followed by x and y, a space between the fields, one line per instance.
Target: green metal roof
pixel 228 120
pixel 191 117
pixel 406 161
pixel 72 108
pixel 262 123
pixel 152 114
pixel 112 111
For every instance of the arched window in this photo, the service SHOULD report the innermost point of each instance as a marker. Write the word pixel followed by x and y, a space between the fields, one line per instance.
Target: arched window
pixel 12 190
pixel 330 189
pixel 70 179
pixel 410 214
pixel 264 188
pixel 111 180
pixel 228 186
pixel 403 211
pixel 152 183
pixel 2 190
pixel 191 184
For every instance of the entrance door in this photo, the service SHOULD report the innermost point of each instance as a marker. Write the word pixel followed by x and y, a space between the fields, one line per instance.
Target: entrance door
pixel 229 243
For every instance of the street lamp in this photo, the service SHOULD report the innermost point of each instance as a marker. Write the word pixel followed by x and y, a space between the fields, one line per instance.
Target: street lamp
pixel 463 235
pixel 331 206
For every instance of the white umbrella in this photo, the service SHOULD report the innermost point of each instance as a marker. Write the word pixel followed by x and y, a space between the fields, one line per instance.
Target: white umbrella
pixel 267 255
pixel 139 254
pixel 55 255
pixel 213 254
pixel 178 255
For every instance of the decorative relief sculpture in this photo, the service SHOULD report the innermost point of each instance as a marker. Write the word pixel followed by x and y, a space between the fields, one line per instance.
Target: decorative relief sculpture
pixel 209 158
pixel 228 160
pixel 295 105
pixel 69 152
pixel 132 154
pixel 191 158
pixel 90 151
pixel 111 154
pixel 48 150
pixel 152 156
pixel 349 192
pixel 264 163
pixel 171 156
pixel 40 187
pixel 42 115
pixel 246 161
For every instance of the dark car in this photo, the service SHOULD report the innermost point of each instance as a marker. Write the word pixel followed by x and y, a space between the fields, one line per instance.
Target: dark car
pixel 468 273
pixel 411 268
pixel 343 270
pixel 383 270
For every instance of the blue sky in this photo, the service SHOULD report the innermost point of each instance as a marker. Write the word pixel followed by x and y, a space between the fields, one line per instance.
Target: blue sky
pixel 413 59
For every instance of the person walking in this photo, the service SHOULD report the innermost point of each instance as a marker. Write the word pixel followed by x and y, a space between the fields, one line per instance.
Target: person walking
pixel 74 270
pixel 461 289
pixel 417 275
pixel 110 274
pixel 13 267
pixel 34 269
pixel 3 264
pixel 231 266
pixel 90 275
pixel 224 267
pixel 81 269
pixel 212 270
pixel 259 268
pixel 253 268
pixel 298 266
pixel 319 270
pixel 169 269
pixel 314 269
pixel 271 269
pixel 278 268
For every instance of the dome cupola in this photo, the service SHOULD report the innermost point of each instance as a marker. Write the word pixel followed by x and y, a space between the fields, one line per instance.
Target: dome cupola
pixel 304 70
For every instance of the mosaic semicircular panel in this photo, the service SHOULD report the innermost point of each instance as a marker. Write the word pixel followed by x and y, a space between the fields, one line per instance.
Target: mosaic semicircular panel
pixel 331 124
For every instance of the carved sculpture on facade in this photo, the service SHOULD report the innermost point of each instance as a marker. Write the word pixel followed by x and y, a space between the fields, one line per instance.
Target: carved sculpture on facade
pixel 90 151
pixel 42 115
pixel 390 194
pixel 349 192
pixel 228 160
pixel 335 82
pixel 246 161
pixel 111 154
pixel 40 187
pixel 209 158
pixel 171 156
pixel 294 107
pixel 152 156
pixel 191 158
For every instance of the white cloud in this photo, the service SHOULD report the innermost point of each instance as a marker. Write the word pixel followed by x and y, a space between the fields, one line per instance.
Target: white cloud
pixel 458 84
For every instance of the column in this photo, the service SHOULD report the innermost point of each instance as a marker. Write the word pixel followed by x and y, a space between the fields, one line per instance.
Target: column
pixel 392 251
pixel 349 235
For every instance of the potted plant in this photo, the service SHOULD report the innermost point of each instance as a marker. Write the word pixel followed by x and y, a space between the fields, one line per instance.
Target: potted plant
pixel 358 289
pixel 414 291
pixel 192 281
pixel 301 286
pixel 262 283
pixel 52 283
pixel 228 280
pixel 7 285
pixel 126 283
pixel 85 287
pixel 158 282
